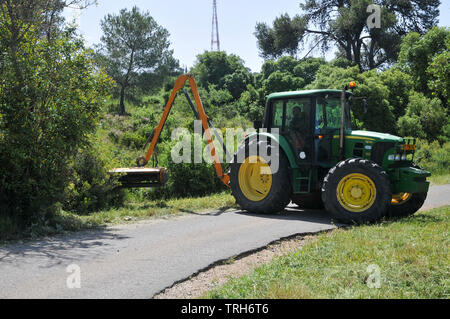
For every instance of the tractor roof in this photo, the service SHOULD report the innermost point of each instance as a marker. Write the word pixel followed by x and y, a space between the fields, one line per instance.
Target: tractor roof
pixel 302 93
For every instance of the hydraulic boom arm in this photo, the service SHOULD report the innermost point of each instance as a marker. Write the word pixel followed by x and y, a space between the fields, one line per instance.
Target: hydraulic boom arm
pixel 179 84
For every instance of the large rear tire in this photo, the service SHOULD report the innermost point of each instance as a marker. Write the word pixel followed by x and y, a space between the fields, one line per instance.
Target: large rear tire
pixel 256 188
pixel 357 191
pixel 406 204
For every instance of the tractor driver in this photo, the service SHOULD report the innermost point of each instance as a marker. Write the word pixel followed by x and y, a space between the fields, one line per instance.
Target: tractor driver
pixel 297 127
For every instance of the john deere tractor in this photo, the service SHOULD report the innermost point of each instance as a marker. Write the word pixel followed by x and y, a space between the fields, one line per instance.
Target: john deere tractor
pixel 358 176
pixel 306 152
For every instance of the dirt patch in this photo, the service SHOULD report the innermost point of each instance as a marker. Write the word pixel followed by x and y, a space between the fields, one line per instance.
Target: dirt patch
pixel 199 284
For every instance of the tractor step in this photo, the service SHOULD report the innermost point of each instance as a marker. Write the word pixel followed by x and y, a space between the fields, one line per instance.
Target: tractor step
pixel 141 176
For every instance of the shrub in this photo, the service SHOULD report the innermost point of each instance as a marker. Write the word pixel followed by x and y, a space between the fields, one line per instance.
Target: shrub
pixel 90 187
pixel 50 98
pixel 188 179
pixel 132 139
pixel 424 118
pixel 433 157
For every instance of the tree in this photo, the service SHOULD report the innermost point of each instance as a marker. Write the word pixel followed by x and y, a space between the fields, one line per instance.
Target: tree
pixel 236 82
pixel 212 67
pixel 379 116
pixel 45 15
pixel 424 118
pixel 51 94
pixel 308 68
pixel 132 44
pixel 21 17
pixel 280 81
pixel 418 53
pixel 439 73
pixel 399 86
pixel 343 23
pixel 287 73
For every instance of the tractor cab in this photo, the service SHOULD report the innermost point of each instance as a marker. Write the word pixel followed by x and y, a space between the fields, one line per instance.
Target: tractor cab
pixel 308 120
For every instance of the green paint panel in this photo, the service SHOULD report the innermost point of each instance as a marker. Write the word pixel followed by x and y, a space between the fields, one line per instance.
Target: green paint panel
pixel 290 94
pixel 409 180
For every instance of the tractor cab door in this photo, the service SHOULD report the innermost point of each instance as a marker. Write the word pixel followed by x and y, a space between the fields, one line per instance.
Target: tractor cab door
pixel 327 124
pixel 293 118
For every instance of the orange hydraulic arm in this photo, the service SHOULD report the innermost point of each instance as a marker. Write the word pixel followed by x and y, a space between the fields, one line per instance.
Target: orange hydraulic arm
pixel 179 84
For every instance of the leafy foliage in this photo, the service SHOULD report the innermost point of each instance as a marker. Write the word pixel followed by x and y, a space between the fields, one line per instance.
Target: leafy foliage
pixel 433 156
pixel 418 52
pixel 90 187
pixel 439 73
pixel 51 96
pixel 424 118
pixel 223 71
pixel 134 49
pixel 343 23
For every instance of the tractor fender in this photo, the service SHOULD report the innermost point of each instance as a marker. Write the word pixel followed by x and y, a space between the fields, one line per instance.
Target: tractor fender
pixel 280 140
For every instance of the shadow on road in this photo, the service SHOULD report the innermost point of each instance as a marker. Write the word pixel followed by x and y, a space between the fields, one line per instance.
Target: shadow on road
pixel 291 212
pixel 215 212
pixel 80 244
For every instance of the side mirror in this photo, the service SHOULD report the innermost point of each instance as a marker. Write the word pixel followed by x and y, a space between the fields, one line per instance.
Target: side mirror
pixel 257 125
pixel 364 103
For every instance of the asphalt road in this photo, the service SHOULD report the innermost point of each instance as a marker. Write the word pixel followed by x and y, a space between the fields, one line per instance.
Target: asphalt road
pixel 140 260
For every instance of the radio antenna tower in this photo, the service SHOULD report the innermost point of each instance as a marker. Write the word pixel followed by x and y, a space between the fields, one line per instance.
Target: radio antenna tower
pixel 215 28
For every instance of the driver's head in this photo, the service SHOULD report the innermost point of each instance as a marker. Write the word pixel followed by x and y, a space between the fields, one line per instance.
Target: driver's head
pixel 297 111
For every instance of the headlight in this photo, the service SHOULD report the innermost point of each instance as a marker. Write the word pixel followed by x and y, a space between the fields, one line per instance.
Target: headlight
pixel 397 157
pixel 404 157
pixel 391 157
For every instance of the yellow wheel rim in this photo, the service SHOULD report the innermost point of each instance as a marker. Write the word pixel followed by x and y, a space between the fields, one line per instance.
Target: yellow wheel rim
pixel 255 178
pixel 356 192
pixel 400 198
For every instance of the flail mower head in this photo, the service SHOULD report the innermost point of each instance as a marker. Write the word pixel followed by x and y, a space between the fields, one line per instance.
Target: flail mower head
pixel 141 176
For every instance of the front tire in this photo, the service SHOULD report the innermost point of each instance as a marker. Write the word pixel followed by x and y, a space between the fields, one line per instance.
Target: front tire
pixel 357 191
pixel 256 188
pixel 406 204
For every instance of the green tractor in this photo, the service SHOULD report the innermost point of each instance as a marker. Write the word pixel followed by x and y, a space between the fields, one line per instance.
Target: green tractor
pixel 305 151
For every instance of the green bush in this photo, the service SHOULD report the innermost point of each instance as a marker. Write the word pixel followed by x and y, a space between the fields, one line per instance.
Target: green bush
pixel 50 99
pixel 132 139
pixel 188 179
pixel 424 118
pixel 433 157
pixel 90 187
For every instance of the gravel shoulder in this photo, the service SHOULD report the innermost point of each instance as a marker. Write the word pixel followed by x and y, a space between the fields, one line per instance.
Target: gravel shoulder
pixel 197 285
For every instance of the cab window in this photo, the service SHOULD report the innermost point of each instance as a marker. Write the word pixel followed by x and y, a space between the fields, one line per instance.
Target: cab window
pixel 328 114
pixel 277 114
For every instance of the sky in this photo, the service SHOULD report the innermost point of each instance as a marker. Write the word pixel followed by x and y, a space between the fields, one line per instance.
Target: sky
pixel 189 24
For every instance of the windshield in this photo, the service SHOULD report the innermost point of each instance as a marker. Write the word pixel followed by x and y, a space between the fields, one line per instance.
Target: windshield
pixel 328 114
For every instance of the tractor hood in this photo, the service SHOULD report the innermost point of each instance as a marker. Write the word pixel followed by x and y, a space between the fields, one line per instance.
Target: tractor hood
pixel 381 137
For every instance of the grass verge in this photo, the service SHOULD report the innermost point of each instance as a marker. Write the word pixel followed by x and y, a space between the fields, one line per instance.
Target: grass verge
pixel 439 179
pixel 132 211
pixel 407 258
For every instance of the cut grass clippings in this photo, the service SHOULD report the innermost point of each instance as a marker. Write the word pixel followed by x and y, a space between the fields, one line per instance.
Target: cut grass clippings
pixel 406 258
